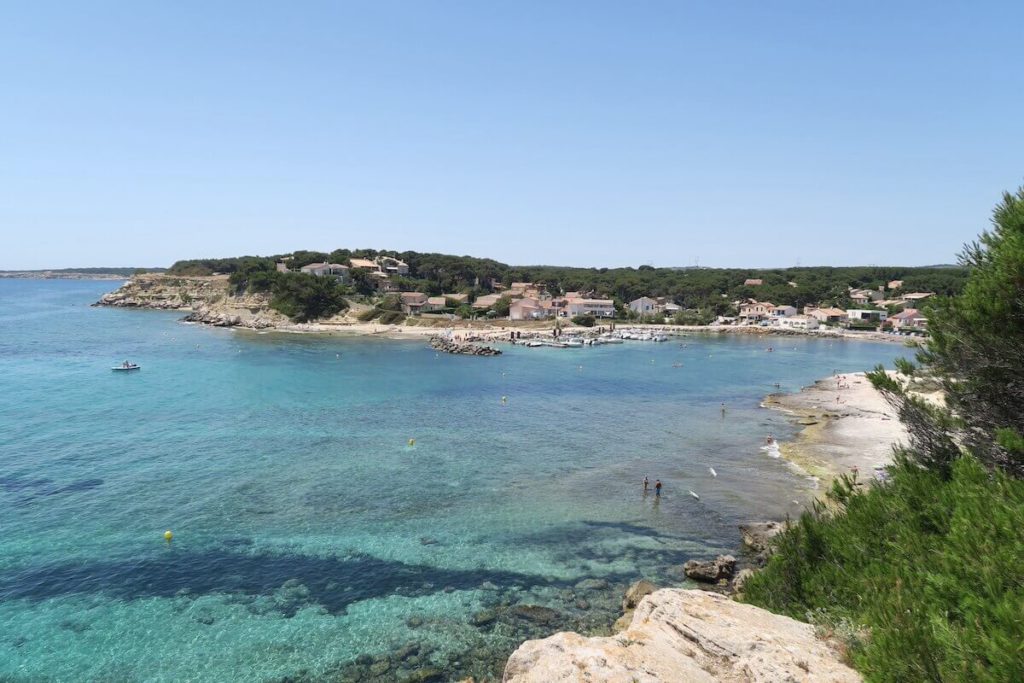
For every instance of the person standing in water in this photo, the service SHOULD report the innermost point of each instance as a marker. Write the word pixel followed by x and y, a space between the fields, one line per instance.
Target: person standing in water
pixel 646 484
pixel 657 488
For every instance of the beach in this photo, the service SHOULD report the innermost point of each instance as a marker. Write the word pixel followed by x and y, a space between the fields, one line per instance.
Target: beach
pixel 848 427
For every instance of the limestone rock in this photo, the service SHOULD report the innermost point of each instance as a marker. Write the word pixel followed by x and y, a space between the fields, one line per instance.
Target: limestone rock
pixel 636 593
pixel 741 579
pixel 686 636
pixel 758 538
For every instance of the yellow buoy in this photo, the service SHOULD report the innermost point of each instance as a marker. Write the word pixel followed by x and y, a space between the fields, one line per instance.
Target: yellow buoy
pixel 168 535
pixel 412 442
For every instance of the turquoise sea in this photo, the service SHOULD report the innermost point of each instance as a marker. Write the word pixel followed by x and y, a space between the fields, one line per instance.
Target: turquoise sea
pixel 311 542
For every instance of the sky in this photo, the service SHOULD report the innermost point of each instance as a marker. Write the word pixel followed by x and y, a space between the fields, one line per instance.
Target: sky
pixel 746 134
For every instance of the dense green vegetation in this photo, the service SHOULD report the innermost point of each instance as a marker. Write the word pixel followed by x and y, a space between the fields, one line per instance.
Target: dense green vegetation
pixel 703 292
pixel 923 575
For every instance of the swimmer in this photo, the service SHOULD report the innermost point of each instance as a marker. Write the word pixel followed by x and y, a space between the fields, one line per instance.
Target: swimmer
pixel 769 440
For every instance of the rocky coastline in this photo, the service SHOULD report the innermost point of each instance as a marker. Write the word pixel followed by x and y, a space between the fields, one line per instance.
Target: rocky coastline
pixel 209 300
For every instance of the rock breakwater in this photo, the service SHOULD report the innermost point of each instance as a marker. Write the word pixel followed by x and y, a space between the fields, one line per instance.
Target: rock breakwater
pixel 449 346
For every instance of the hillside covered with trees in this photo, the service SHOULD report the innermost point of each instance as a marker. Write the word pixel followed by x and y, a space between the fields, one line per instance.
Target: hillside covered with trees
pixel 709 290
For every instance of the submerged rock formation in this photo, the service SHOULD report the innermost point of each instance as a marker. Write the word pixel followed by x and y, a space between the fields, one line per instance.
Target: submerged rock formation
pixel 685 635
pixel 449 346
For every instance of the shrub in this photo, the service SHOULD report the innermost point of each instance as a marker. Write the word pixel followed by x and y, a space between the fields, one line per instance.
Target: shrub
pixel 585 320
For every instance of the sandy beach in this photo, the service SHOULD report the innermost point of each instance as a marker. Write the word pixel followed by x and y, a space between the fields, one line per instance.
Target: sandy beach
pixel 848 427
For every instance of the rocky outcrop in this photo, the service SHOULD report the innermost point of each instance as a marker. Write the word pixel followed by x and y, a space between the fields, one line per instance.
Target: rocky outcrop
pixel 208 300
pixel 449 346
pixel 758 537
pixel 685 635
pixel 711 571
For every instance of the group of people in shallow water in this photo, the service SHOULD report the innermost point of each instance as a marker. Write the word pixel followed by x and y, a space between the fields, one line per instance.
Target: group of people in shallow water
pixel 657 486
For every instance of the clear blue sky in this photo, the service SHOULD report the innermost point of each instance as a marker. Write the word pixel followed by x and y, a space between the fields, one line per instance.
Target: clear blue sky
pixel 577 133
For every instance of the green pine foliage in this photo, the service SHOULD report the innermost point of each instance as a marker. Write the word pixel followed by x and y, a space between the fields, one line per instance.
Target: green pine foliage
pixel 926 570
pixel 928 567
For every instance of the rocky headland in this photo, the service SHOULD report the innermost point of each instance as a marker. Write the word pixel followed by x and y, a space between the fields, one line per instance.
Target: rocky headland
pixel 208 300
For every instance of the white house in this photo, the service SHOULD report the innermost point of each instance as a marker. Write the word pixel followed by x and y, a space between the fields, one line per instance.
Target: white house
pixel 645 305
pixel 527 309
pixel 392 266
pixel 908 318
pixel 783 311
pixel 599 308
pixel 321 269
pixel 825 315
pixel 861 315
pixel 799 322
pixel 755 310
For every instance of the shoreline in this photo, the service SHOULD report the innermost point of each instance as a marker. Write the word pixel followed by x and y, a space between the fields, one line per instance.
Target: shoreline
pixel 848 428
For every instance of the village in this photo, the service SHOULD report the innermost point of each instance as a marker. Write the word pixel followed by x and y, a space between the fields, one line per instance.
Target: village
pixel 884 309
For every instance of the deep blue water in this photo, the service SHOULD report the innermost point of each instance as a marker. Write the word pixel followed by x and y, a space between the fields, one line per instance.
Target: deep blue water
pixel 307 531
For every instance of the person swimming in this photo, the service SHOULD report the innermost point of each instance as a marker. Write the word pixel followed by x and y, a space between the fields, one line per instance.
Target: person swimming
pixel 769 440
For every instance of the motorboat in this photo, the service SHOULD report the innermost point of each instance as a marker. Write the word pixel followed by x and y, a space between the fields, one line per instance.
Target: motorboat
pixel 126 368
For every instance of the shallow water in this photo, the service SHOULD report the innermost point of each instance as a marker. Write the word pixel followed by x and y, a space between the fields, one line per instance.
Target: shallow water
pixel 307 531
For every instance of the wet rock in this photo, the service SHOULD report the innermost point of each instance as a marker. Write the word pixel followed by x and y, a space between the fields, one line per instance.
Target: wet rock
pixel 483 618
pixel 710 571
pixel 488 586
pixel 364 660
pixel 380 668
pixel 406 651
pixel 536 614
pixel 636 592
pixel 582 604
pixel 414 622
pixel 592 585
pixel 425 675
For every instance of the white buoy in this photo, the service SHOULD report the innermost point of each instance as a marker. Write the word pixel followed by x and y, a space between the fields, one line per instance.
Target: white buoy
pixel 713 473
pixel 694 495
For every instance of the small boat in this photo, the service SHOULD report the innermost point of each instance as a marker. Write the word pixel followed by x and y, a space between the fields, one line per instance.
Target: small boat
pixel 574 343
pixel 126 368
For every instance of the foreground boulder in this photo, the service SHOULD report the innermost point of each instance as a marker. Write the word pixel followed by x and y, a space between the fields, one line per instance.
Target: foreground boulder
pixel 685 636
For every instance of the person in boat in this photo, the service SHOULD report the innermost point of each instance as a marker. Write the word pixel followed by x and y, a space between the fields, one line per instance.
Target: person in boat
pixel 657 488
pixel 126 364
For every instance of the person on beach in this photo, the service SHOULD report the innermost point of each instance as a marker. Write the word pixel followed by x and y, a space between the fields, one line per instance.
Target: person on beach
pixel 646 483
pixel 657 488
